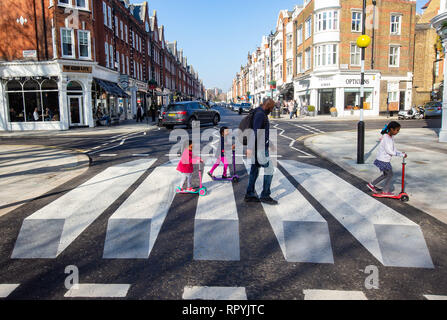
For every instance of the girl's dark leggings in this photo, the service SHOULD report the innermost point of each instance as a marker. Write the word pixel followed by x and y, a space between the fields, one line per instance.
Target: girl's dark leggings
pixel 387 176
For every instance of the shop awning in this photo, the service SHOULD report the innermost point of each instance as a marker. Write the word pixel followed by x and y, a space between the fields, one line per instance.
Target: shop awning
pixel 287 91
pixel 111 88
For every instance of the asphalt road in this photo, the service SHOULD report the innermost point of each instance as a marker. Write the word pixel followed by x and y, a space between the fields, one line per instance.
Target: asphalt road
pixel 263 269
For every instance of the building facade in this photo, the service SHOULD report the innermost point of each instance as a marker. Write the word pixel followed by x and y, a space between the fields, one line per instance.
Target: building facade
pixel 315 59
pixel 429 57
pixel 69 63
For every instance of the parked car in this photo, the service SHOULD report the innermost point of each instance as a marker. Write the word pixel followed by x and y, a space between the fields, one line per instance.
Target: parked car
pixel 161 115
pixel 236 107
pixel 433 109
pixel 245 107
pixel 184 113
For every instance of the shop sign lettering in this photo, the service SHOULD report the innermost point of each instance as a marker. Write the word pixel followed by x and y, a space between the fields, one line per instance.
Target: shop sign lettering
pixel 78 69
pixel 355 81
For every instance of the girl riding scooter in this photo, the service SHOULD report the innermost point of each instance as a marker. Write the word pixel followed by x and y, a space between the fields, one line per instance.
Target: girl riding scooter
pixel 386 151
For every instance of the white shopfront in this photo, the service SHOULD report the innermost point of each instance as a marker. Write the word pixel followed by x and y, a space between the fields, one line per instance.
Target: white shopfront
pixel 51 95
pixel 341 91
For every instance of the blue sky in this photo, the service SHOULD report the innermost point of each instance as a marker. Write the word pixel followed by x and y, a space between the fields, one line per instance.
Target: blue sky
pixel 216 35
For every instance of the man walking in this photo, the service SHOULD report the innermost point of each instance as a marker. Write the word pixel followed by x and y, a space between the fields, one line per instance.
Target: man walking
pixel 139 113
pixel 259 145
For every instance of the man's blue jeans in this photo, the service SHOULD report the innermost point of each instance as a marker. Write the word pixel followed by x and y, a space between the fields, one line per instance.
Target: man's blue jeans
pixel 254 174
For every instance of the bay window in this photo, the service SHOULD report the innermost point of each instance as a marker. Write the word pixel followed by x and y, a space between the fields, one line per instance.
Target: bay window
pixel 326 21
pixel 325 55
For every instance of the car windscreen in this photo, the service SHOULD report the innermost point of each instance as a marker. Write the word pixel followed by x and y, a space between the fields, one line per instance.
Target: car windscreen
pixel 176 107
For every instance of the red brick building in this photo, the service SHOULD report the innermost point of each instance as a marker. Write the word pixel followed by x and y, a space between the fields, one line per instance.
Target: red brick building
pixel 66 63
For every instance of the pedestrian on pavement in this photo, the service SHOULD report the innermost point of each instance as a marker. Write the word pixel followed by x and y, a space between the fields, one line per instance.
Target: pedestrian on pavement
pixel 291 110
pixel 261 130
pixel 139 113
pixel 295 109
pixel 386 151
pixel 224 141
pixel 154 111
pixel 186 167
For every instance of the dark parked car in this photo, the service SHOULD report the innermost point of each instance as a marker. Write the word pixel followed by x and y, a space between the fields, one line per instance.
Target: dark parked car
pixel 244 107
pixel 184 113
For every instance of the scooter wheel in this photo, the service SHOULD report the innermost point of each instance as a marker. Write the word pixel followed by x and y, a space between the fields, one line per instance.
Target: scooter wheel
pixel 177 190
pixel 235 179
pixel 202 192
pixel 405 198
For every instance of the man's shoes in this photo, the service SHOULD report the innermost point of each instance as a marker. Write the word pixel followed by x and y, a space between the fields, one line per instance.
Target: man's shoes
pixel 209 173
pixel 251 199
pixel 224 176
pixel 269 200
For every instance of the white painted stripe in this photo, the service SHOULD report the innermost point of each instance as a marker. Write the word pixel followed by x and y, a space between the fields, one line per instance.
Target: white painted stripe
pixel 86 290
pixel 302 232
pixel 313 128
pixel 134 227
pixel 7 289
pixel 141 155
pixel 50 230
pixel 305 128
pixel 216 225
pixel 214 293
pixel 108 155
pixel 434 297
pixel 390 237
pixel 333 295
pixel 306 155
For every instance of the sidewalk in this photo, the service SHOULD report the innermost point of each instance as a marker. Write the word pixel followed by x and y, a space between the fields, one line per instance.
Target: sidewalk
pixel 426 172
pixel 128 126
pixel 27 172
pixel 325 118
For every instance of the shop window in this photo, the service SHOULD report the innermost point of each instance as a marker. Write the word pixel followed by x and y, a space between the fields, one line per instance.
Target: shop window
pixel 50 100
pixel 15 102
pixel 352 99
pixel 74 88
pixel 33 100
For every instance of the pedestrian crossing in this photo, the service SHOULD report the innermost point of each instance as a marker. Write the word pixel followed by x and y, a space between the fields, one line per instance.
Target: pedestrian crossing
pixel 49 231
pixel 302 233
pixel 216 224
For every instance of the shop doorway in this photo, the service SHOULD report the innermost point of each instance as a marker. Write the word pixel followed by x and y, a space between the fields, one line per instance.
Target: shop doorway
pixel 326 100
pixel 402 100
pixel 76 110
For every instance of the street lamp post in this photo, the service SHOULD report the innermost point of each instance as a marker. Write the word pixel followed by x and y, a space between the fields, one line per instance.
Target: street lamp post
pixel 363 42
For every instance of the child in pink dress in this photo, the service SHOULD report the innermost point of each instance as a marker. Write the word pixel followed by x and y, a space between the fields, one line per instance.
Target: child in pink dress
pixel 224 132
pixel 186 166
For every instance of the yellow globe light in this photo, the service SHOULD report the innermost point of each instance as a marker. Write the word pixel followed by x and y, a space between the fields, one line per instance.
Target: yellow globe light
pixel 363 41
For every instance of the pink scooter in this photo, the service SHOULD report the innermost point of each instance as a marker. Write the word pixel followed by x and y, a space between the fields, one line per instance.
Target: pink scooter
pixel 234 177
pixel 201 191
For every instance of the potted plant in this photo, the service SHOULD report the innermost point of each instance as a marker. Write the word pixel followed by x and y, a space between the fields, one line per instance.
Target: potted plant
pixel 333 111
pixel 311 110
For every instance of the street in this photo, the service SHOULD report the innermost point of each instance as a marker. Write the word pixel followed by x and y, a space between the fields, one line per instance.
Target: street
pixel 121 228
